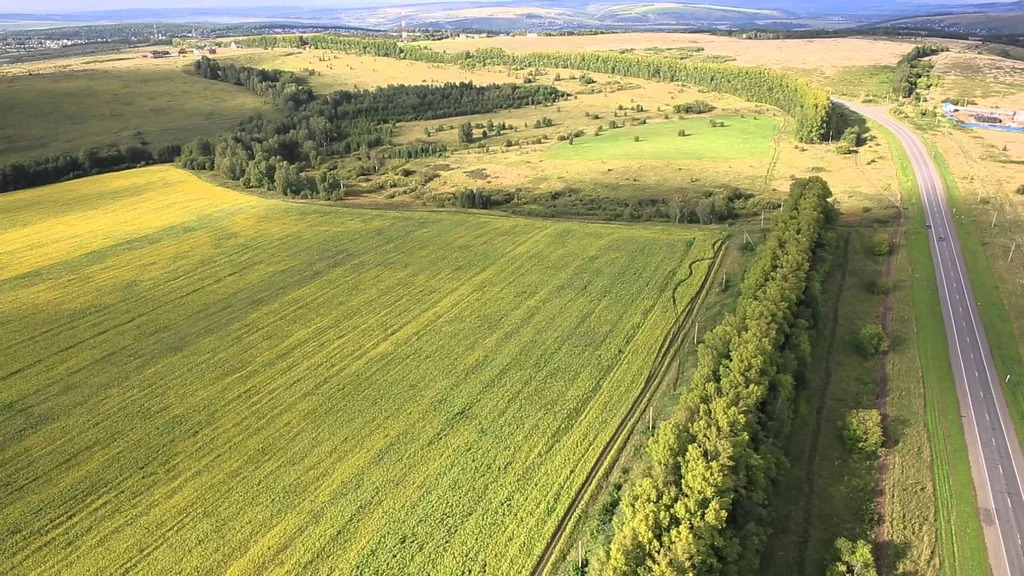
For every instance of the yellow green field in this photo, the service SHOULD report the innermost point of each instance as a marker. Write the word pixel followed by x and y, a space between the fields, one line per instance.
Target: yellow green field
pixel 195 380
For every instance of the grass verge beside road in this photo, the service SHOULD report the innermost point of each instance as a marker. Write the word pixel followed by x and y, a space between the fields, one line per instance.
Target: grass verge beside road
pixel 961 543
pixel 994 313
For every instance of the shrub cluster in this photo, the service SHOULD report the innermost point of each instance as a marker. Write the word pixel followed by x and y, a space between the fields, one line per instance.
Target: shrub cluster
pixel 695 107
pixel 872 340
pixel 862 431
pixel 912 68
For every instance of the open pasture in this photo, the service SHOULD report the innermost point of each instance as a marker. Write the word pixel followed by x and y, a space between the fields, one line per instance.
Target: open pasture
pixel 612 164
pixel 66 111
pixel 198 380
pixel 862 181
pixel 336 71
pixel 739 139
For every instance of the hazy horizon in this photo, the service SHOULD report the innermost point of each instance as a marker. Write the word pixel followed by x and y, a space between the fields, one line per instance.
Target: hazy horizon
pixel 74 6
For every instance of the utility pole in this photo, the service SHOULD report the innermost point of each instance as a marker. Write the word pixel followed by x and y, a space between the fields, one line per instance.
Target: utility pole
pixel 994 220
pixel 650 419
pixel 762 217
pixel 1012 248
pixel 695 325
pixel 581 555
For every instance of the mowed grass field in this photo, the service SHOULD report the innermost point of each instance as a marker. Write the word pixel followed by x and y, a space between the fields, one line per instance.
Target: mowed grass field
pixel 66 111
pixel 195 380
pixel 740 139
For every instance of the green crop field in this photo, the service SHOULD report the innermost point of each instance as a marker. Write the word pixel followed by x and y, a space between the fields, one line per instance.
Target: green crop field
pixel 195 380
pixel 740 139
pixel 67 111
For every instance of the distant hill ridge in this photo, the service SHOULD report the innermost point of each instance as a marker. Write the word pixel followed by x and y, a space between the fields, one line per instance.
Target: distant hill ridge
pixel 552 14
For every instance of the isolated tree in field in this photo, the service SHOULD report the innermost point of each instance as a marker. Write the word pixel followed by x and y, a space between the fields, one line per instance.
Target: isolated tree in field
pixel 171 152
pixel 682 132
pixel 288 179
pixel 862 431
pixel 329 185
pixel 872 340
pixel 883 246
pixel 1020 190
pixel 198 154
pixel 636 138
pixel 466 133
pixel 695 107
pixel 852 136
pixel 855 559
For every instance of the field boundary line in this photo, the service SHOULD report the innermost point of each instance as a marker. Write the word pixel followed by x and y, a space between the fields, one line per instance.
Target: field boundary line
pixel 670 344
pixel 773 159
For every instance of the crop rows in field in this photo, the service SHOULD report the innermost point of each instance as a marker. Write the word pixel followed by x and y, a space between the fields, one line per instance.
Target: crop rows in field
pixel 212 382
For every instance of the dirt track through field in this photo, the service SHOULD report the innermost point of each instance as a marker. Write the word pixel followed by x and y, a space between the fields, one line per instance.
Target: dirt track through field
pixel 663 361
pixel 819 412
pixel 882 404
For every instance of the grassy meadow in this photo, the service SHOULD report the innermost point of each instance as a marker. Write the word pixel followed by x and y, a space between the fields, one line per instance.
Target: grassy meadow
pixel 830 489
pixel 859 180
pixel 199 380
pixel 740 139
pixel 68 110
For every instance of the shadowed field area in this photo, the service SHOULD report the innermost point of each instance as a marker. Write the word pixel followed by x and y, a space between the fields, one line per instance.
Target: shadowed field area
pixel 67 111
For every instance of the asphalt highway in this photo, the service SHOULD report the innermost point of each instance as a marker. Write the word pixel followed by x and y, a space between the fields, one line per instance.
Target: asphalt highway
pixel 995 452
